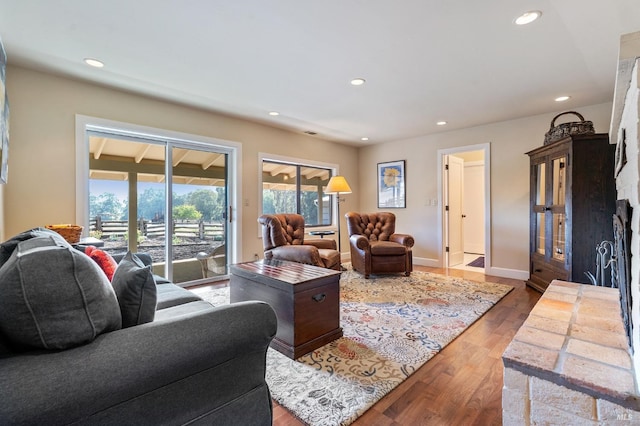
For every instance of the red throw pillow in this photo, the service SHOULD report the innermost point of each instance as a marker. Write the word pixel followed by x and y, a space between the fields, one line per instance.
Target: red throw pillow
pixel 103 259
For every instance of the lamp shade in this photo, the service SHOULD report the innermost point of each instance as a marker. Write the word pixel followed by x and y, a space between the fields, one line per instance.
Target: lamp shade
pixel 338 184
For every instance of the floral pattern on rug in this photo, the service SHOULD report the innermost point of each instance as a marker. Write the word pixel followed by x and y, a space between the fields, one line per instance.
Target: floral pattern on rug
pixel 392 325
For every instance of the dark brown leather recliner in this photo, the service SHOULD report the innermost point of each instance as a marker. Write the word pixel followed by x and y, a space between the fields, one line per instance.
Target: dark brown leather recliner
pixel 375 247
pixel 283 239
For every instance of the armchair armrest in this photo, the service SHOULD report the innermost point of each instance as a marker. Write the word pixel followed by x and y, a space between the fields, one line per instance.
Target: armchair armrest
pixel 360 242
pixel 298 253
pixel 404 239
pixel 322 243
pixel 158 371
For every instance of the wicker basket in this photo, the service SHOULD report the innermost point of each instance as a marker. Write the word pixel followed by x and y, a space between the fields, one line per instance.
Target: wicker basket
pixel 71 233
pixel 560 131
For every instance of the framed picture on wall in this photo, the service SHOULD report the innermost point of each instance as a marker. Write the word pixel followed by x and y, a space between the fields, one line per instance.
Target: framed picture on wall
pixel 391 185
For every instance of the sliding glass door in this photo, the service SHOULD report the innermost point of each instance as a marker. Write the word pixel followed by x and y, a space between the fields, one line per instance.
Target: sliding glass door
pixel 199 210
pixel 174 210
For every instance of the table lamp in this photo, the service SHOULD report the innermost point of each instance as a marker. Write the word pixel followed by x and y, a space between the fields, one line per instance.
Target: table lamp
pixel 338 185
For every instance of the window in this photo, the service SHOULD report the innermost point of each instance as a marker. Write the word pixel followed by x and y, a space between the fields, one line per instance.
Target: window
pixel 297 188
pixel 131 197
pixel 128 202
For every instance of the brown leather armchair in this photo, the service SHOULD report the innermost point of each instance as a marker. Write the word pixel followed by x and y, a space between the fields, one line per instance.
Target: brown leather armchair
pixel 283 239
pixel 375 247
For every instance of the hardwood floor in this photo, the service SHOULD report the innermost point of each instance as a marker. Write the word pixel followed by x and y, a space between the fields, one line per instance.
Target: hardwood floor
pixel 461 385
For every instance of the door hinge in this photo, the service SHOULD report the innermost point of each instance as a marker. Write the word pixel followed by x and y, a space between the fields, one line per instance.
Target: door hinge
pixel 446 249
pixel 446 167
pixel 446 208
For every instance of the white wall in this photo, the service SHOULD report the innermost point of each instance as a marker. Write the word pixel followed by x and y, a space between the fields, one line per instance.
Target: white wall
pixel 509 140
pixel 41 188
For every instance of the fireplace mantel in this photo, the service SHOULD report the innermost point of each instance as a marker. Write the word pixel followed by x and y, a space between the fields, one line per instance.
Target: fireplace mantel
pixel 570 360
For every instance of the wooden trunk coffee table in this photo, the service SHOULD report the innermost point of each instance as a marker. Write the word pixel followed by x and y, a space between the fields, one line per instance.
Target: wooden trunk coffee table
pixel 306 300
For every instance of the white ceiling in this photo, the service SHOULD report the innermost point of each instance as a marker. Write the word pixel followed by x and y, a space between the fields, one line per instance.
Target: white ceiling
pixel 463 61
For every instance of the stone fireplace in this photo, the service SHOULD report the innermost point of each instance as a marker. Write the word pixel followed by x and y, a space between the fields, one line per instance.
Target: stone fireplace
pixel 621 264
pixel 576 359
pixel 625 132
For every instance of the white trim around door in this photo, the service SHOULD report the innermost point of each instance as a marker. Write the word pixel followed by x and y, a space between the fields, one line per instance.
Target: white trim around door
pixel 486 148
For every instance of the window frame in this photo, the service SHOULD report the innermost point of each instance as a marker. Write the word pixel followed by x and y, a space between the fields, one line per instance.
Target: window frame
pixel 87 124
pixel 297 162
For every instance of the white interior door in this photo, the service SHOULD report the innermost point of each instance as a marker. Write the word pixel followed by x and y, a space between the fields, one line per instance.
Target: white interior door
pixel 454 209
pixel 474 207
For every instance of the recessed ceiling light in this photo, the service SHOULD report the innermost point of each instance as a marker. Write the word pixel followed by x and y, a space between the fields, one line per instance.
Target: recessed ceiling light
pixel 562 98
pixel 274 113
pixel 364 139
pixel 441 123
pixel 358 81
pixel 94 62
pixel 528 17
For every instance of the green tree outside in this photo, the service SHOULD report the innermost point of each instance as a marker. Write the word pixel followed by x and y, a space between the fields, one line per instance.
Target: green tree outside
pixel 106 205
pixel 205 201
pixel 151 204
pixel 208 204
pixel 186 212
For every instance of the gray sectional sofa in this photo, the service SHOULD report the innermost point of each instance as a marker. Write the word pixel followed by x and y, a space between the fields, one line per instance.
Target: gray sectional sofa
pixel 192 364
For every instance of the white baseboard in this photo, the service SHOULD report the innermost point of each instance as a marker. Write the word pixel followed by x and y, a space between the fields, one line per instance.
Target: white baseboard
pixel 516 274
pixel 423 261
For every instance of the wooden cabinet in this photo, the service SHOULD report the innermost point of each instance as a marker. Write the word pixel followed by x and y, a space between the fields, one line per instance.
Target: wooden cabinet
pixel 573 196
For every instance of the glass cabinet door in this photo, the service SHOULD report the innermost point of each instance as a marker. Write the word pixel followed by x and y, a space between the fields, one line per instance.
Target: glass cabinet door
pixel 541 184
pixel 540 231
pixel 549 208
pixel 558 236
pixel 559 180
pixel 539 207
pixel 557 208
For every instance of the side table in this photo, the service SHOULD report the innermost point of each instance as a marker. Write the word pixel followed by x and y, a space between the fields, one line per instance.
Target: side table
pixel 91 241
pixel 322 233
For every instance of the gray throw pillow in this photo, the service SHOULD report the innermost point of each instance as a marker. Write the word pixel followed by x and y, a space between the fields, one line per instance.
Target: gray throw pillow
pixel 136 291
pixel 54 297
pixel 7 247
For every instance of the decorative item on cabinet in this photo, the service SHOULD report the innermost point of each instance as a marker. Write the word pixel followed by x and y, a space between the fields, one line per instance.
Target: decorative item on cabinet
pixel 572 202
pixel 563 130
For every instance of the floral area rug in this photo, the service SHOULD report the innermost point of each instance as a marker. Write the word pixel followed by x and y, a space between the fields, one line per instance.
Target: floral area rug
pixel 392 325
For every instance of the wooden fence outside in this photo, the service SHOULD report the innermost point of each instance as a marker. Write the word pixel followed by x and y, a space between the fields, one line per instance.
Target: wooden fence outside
pixel 182 228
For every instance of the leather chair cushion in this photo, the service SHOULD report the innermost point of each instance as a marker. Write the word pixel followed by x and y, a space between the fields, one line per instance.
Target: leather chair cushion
pixel 387 248
pixel 329 257
pixel 374 226
pixel 293 227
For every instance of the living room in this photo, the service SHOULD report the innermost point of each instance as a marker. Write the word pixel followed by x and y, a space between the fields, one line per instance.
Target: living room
pixel 45 105
pixel 50 149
